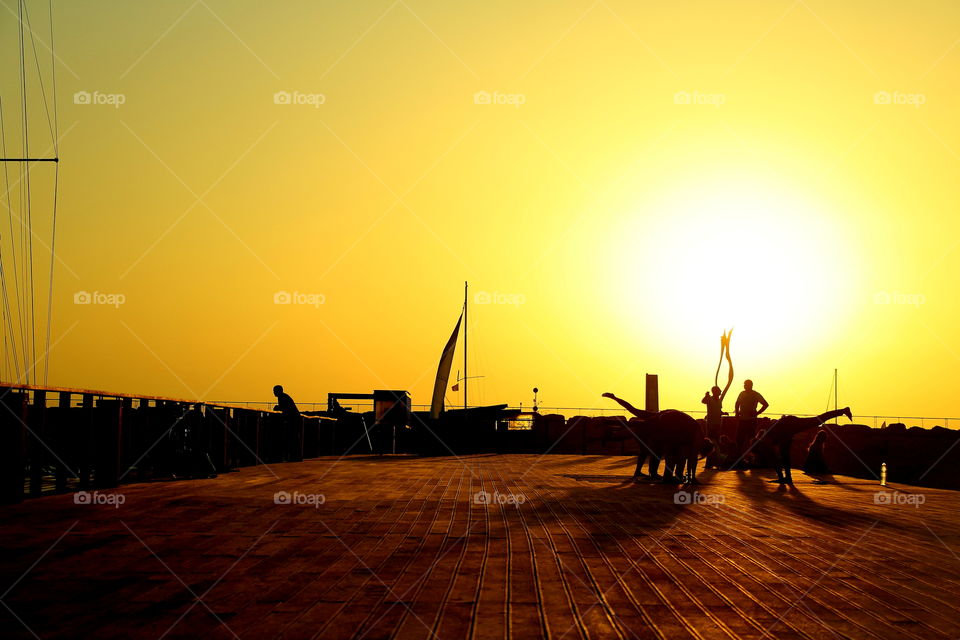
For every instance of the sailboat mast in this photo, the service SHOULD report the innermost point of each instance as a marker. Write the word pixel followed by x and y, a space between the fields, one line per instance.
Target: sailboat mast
pixel 465 347
pixel 836 394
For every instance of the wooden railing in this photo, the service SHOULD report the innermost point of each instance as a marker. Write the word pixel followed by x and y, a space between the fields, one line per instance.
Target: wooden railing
pixel 56 439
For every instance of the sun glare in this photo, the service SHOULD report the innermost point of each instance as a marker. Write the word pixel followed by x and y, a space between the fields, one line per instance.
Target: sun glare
pixel 762 260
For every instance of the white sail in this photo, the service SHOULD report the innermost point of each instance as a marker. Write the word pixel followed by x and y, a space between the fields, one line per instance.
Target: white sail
pixel 443 371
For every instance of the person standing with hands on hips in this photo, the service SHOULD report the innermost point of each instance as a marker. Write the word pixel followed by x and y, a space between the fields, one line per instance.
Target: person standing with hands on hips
pixel 746 411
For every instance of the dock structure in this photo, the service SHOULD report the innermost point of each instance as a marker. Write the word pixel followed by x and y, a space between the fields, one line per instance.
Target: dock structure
pixel 62 439
pixel 487 546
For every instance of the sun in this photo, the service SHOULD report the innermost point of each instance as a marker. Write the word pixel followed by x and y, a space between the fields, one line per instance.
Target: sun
pixel 762 259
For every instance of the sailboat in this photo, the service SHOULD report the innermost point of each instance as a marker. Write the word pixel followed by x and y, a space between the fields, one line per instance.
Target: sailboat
pixel 467 414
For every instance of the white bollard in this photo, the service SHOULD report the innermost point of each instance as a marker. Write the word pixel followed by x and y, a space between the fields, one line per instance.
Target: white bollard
pixel 883 474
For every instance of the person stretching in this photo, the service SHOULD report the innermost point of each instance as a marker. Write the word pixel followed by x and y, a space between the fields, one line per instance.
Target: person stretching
pixel 670 435
pixel 780 437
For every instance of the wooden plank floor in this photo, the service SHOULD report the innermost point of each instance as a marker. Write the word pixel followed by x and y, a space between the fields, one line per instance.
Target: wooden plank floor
pixel 559 546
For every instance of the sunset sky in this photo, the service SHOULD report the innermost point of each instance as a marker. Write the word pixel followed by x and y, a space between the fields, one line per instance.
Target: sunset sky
pixel 618 181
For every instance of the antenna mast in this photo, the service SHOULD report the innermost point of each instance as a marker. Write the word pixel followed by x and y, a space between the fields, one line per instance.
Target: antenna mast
pixel 836 395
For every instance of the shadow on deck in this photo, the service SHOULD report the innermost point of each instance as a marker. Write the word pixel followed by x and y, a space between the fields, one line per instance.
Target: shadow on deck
pixel 483 546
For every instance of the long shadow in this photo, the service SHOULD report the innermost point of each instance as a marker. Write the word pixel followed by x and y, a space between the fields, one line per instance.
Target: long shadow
pixel 610 510
pixel 627 461
pixel 828 479
pixel 761 491
pixel 387 457
pixel 562 460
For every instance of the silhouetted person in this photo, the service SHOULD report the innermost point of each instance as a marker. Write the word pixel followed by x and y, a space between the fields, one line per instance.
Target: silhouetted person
pixel 285 403
pixel 726 451
pixel 291 422
pixel 747 412
pixel 780 437
pixel 816 464
pixel 714 401
pixel 672 435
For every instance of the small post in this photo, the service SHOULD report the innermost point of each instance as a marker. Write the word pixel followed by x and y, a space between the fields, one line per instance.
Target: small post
pixel 86 440
pixel 61 425
pixel 124 457
pixel 37 415
pixel 836 397
pixel 254 418
pixel 107 443
pixel 13 434
pixel 219 420
pixel 653 393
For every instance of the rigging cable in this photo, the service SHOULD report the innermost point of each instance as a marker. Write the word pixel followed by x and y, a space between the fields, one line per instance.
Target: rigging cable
pixel 55 133
pixel 36 61
pixel 8 334
pixel 32 326
pixel 26 322
pixel 830 392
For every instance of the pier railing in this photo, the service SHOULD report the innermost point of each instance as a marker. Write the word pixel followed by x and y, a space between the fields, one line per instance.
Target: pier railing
pixel 876 421
pixel 56 439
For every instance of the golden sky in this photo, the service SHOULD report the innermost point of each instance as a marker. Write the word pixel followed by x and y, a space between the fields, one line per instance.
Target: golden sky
pixel 619 182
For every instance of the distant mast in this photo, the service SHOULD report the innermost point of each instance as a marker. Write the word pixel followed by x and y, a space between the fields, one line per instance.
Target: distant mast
pixel 836 396
pixel 465 375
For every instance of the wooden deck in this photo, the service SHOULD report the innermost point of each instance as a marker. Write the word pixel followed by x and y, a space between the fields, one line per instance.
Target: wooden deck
pixel 402 548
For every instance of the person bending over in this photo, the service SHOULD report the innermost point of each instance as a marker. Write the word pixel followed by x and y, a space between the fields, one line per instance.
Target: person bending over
pixel 780 437
pixel 671 435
